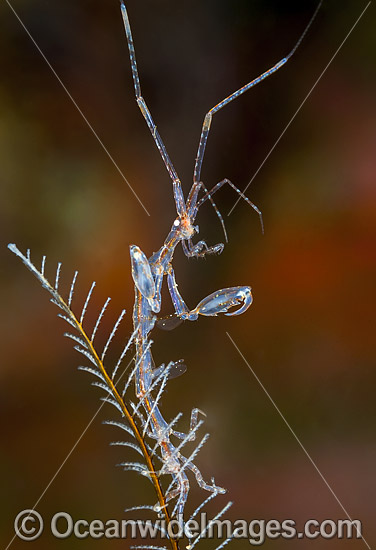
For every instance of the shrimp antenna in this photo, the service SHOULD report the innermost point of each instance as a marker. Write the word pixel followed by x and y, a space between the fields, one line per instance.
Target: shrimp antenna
pixel 208 117
pixel 178 193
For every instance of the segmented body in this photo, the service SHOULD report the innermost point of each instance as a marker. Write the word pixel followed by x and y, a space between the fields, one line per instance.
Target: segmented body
pixel 144 319
pixel 148 276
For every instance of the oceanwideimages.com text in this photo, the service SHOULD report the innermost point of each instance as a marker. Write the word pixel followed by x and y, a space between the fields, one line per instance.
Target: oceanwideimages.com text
pixel 29 525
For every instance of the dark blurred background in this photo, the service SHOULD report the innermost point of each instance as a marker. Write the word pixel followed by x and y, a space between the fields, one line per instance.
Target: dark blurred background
pixel 309 335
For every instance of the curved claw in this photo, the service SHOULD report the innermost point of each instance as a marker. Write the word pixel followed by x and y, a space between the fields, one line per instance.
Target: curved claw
pixel 222 300
pixel 244 295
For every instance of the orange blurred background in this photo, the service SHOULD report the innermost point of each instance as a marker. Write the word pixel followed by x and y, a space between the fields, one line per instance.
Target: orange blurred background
pixel 310 334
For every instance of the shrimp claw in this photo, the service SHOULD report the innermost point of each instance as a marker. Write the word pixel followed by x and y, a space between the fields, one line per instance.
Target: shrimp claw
pixel 221 301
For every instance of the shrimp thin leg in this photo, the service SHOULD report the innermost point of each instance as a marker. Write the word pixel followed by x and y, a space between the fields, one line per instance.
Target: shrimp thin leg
pixel 192 427
pixel 247 200
pixel 202 483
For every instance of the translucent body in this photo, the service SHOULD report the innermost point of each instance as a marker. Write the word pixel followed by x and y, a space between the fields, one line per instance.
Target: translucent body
pixel 148 277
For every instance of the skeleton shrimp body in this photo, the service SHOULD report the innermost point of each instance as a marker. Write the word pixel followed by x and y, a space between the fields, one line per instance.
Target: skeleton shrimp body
pixel 148 275
pixel 144 319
